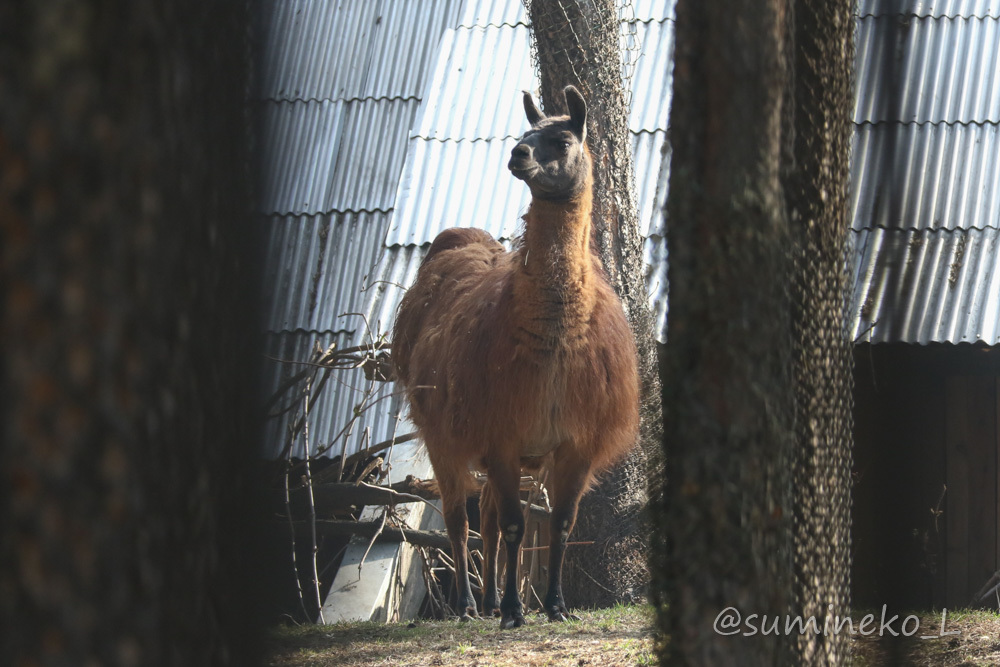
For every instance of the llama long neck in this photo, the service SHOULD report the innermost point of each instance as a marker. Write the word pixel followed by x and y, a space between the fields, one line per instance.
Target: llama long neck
pixel 553 285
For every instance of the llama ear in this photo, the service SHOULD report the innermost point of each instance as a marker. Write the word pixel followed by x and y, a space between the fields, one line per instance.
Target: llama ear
pixel 577 111
pixel 531 110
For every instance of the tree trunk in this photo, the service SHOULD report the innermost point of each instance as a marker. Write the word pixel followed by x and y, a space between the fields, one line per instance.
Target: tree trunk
pixel 727 394
pixel 816 189
pixel 129 335
pixel 577 42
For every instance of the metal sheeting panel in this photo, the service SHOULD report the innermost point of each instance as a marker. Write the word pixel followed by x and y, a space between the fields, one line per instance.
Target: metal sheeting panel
pixel 926 176
pixel 467 184
pixel 326 50
pixel 935 8
pixel 482 13
pixel 316 267
pixel 396 271
pixel 654 252
pixel 333 156
pixel 475 92
pixel 651 10
pixel 926 70
pixel 651 161
pixel 457 184
pixel 926 286
pixel 333 409
pixel 476 95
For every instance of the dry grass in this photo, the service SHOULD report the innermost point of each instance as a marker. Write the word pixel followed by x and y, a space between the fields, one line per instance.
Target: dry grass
pixel 977 644
pixel 618 636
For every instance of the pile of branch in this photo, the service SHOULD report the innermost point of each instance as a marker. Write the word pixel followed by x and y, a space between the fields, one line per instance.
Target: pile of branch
pixel 344 497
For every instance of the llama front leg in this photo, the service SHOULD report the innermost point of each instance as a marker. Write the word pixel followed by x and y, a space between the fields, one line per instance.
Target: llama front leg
pixel 489 528
pixel 506 486
pixel 457 522
pixel 570 478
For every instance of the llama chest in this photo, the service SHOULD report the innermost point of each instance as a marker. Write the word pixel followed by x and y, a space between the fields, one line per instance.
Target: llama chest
pixel 546 407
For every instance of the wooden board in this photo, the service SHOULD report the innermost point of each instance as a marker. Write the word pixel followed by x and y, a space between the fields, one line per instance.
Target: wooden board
pixel 957 500
pixel 971 501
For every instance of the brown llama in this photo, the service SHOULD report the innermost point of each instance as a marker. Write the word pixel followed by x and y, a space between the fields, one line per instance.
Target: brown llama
pixel 520 360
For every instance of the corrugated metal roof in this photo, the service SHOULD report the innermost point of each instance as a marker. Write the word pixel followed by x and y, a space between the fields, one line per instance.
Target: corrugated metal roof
pixel 316 268
pixel 475 95
pixel 927 70
pixel 444 185
pixel 457 184
pixel 482 13
pixel 396 270
pixel 926 176
pixel 926 286
pixel 328 50
pixel 325 156
pixel 472 114
pixel 935 8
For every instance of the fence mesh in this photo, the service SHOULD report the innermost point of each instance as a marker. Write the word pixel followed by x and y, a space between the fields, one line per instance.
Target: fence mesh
pixel 817 198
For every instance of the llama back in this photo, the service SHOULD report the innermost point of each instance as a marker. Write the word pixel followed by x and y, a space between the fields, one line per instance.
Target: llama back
pixel 456 262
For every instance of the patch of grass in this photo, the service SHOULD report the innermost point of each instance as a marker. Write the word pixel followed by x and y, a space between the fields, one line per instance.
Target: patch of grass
pixel 977 642
pixel 621 635
pixel 618 636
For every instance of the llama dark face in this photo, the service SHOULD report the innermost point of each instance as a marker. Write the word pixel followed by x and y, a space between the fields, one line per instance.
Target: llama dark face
pixel 551 157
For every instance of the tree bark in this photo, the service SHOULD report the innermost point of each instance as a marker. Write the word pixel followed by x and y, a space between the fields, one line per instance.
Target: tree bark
pixel 727 391
pixel 129 328
pixel 577 42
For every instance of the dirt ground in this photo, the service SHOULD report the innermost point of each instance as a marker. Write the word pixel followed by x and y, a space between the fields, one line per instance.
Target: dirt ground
pixel 608 637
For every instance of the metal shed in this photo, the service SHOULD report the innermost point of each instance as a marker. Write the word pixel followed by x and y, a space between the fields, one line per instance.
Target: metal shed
pixel 384 122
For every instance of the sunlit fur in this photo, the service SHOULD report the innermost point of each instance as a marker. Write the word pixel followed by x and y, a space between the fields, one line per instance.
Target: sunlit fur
pixel 520 359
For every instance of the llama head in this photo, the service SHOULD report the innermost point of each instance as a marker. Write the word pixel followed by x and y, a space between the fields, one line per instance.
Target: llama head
pixel 552 156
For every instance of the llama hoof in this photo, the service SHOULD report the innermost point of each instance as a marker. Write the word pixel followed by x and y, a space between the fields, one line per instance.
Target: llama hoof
pixel 561 615
pixel 514 620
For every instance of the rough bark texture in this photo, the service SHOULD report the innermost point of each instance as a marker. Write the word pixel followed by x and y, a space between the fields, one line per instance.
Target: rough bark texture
pixel 577 42
pixel 727 398
pixel 816 190
pixel 128 323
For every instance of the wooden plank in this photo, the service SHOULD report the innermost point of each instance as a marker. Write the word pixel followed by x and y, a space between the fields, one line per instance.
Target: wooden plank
pixel 933 479
pixel 957 499
pixel 981 453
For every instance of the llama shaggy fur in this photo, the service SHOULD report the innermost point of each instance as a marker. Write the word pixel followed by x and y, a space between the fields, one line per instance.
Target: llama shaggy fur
pixel 521 360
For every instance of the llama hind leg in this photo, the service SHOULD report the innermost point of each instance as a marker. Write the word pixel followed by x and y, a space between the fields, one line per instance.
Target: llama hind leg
pixel 569 482
pixel 489 528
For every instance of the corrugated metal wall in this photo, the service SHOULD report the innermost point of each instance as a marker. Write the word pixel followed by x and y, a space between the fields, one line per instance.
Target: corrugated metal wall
pixel 341 86
pixel 926 172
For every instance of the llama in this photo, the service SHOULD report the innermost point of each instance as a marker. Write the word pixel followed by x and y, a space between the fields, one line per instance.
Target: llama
pixel 521 360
